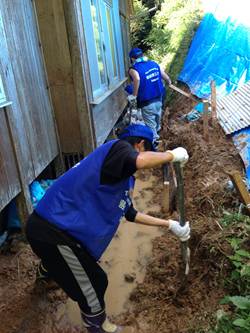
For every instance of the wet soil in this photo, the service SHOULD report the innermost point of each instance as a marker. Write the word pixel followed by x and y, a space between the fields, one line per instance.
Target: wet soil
pixel 160 300
pixel 165 302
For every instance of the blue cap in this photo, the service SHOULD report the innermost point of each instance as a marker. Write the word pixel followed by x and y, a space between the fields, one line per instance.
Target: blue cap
pixel 135 52
pixel 139 130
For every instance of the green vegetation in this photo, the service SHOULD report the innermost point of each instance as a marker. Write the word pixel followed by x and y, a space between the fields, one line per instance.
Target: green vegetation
pixel 166 35
pixel 140 26
pixel 172 31
pixel 238 320
pixel 237 317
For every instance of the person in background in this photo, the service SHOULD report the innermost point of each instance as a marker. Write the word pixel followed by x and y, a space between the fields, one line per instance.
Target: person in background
pixel 148 89
pixel 78 216
pixel 10 226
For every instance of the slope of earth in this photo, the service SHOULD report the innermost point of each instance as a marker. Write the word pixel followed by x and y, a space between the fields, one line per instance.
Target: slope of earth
pixel 161 303
pixel 164 303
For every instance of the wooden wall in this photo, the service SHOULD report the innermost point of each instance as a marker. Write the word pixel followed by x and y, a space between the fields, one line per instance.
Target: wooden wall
pixel 82 126
pixel 32 32
pixel 28 136
pixel 9 180
pixel 104 120
pixel 55 45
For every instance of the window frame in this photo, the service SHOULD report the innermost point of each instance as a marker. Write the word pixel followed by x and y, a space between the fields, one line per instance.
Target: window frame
pixel 111 45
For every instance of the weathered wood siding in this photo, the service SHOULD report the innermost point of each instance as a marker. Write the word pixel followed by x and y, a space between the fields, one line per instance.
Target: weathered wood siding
pixel 125 12
pixel 9 182
pixel 28 136
pixel 107 113
pixel 28 69
pixel 82 123
pixel 55 45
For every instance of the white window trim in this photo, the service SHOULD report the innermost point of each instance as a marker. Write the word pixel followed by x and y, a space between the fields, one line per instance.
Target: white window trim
pixel 109 61
pixel 109 92
pixel 99 90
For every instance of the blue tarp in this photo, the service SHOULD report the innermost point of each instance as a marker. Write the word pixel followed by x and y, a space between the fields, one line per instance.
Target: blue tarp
pixel 220 51
pixel 37 191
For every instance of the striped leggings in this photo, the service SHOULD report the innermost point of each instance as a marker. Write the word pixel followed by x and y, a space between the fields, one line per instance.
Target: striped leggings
pixel 76 272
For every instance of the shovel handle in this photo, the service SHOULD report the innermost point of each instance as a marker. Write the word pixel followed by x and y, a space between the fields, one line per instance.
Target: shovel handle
pixel 180 192
pixel 185 251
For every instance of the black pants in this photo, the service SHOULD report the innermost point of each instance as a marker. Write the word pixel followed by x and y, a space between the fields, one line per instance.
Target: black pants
pixel 69 264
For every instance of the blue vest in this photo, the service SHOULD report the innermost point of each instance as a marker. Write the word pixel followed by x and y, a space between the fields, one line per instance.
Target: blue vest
pixel 89 211
pixel 151 87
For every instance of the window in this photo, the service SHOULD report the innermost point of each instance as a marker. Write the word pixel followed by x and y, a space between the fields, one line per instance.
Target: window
pixel 101 22
pixel 98 41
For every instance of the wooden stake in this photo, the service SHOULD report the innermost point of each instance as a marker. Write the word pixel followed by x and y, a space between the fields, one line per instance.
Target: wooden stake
pixel 205 121
pixel 240 187
pixel 213 101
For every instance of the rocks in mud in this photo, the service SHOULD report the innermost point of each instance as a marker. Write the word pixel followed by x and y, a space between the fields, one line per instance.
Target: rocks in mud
pixel 129 277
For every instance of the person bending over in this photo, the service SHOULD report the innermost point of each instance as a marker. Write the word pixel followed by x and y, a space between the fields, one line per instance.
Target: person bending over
pixel 78 216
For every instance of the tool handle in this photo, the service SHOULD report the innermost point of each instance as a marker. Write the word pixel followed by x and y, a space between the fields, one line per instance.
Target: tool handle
pixel 185 251
pixel 180 192
pixel 165 174
pixel 184 93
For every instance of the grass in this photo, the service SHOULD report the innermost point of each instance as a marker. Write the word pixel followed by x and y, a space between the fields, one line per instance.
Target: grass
pixel 237 316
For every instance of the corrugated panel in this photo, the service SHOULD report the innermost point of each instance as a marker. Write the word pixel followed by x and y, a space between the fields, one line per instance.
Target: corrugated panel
pixel 234 110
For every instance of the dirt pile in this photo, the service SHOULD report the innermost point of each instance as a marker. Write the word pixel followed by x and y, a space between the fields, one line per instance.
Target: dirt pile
pixel 206 172
pixel 158 304
pixel 162 303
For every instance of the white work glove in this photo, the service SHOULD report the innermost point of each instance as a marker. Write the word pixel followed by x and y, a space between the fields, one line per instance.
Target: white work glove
pixel 131 98
pixel 179 155
pixel 183 233
pixel 169 81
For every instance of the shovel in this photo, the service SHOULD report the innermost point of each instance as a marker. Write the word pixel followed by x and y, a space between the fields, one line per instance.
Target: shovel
pixel 184 93
pixel 185 251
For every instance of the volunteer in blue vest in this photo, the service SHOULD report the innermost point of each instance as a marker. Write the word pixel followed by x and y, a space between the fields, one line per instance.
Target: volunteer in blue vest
pixel 148 89
pixel 75 221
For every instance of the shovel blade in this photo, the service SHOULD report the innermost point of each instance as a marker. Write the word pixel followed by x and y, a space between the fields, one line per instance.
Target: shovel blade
pixel 185 253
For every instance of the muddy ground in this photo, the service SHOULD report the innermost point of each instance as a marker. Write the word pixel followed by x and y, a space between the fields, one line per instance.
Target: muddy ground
pixel 162 303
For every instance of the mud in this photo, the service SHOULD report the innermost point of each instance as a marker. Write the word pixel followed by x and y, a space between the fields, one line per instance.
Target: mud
pixel 164 302
pixel 127 256
pixel 154 296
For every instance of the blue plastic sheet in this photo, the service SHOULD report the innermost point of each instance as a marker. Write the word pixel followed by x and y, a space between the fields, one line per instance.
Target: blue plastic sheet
pixel 194 114
pixel 242 142
pixel 37 191
pixel 220 51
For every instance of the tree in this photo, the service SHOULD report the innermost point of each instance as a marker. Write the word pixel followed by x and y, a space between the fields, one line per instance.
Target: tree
pixel 140 26
pixel 173 28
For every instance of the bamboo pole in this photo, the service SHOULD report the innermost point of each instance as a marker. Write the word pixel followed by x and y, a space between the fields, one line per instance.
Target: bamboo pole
pixel 240 187
pixel 213 101
pixel 205 120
